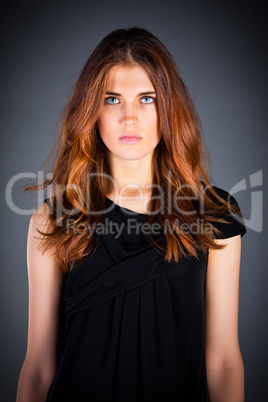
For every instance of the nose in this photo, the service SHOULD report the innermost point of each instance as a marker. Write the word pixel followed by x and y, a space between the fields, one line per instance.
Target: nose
pixel 129 116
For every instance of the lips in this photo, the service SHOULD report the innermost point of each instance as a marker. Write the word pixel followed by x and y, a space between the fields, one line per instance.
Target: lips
pixel 130 139
pixel 130 135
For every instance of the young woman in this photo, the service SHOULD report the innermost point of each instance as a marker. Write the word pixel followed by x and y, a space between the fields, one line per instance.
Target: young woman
pixel 133 259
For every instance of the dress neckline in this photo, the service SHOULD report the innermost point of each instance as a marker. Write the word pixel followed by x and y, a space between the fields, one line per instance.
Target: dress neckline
pixel 121 209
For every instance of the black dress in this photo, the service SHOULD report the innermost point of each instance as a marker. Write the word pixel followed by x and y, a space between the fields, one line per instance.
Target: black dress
pixel 134 324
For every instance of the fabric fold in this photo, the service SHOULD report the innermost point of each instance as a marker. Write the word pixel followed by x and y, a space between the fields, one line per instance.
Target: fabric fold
pixel 111 281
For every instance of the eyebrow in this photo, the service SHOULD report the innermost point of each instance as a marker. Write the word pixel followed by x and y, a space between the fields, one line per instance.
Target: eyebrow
pixel 141 93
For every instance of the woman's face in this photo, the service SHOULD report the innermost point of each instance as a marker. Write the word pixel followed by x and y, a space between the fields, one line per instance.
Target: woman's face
pixel 129 108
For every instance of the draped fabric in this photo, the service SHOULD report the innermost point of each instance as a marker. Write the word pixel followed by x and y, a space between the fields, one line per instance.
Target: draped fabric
pixel 134 324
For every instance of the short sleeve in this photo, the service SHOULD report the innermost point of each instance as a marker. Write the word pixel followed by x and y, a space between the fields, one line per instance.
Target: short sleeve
pixel 235 225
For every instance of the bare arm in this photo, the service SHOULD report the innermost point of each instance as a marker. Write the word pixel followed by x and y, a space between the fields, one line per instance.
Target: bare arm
pixel 45 278
pixel 225 368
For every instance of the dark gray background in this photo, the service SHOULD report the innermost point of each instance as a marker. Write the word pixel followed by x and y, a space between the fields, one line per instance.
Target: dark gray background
pixel 221 52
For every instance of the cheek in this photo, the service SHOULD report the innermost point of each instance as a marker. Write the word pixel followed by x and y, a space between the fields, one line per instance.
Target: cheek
pixel 101 123
pixel 154 124
pixel 103 127
pixel 152 117
pixel 105 130
pixel 105 123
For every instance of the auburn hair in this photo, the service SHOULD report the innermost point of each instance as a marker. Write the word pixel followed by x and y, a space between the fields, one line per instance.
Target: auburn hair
pixel 180 161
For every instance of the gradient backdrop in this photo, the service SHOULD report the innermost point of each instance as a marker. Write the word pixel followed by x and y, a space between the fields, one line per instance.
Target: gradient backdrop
pixel 221 52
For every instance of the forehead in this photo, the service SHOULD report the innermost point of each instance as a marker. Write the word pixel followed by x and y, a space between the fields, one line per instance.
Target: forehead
pixel 131 78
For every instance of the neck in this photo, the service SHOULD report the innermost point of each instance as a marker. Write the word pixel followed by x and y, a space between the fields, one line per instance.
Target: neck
pixel 132 178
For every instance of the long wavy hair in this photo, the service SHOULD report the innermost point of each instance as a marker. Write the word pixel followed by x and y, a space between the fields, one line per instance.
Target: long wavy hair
pixel 180 161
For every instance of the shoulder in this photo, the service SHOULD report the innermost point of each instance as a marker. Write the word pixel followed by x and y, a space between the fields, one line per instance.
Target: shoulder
pixel 40 219
pixel 234 222
pixel 40 215
pixel 224 194
pixel 50 202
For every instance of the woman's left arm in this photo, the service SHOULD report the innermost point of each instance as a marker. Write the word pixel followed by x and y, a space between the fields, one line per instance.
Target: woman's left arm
pixel 225 368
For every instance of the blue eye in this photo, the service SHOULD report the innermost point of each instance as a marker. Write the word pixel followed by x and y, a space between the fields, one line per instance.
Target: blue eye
pixel 110 97
pixel 148 97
